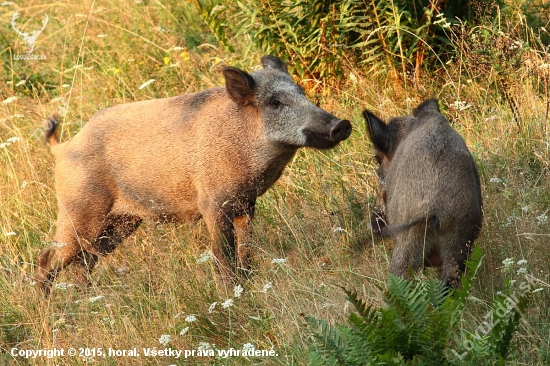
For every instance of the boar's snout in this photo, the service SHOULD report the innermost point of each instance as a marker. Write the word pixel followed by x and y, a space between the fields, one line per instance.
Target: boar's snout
pixel 327 132
pixel 340 131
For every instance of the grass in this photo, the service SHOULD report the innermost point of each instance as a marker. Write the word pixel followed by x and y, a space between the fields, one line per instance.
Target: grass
pixel 99 54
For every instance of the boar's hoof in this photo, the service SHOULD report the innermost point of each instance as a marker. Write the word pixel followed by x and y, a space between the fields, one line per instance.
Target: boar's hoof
pixel 341 131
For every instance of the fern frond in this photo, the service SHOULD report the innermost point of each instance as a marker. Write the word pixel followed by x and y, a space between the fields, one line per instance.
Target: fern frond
pixel 503 332
pixel 329 346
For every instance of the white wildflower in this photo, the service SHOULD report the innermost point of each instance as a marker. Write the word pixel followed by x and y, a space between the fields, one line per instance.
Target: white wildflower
pixel 205 346
pixel 460 105
pixel 204 257
pixel 248 347
pixel 542 218
pixel 516 44
pixel 339 230
pixel 495 180
pixel 95 298
pixel 63 286
pixel 227 303
pixel 508 222
pixel 525 208
pixel 267 286
pixel 184 330
pixel 212 307
pixel 237 291
pixel 3 145
pixel 508 262
pixel 145 84
pixel 352 77
pixel 9 100
pixel 442 21
pixel 522 271
pixel 191 318
pixel 165 339
pixel 24 184
pixel 521 262
pixel 278 260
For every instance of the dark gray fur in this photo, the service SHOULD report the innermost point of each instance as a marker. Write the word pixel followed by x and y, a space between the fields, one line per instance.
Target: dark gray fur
pixel 429 196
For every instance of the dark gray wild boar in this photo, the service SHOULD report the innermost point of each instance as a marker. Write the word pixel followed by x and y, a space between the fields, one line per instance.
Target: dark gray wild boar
pixel 429 195
pixel 209 155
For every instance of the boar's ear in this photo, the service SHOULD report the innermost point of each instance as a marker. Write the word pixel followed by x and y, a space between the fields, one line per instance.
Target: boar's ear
pixel 274 63
pixel 378 131
pixel 429 105
pixel 239 85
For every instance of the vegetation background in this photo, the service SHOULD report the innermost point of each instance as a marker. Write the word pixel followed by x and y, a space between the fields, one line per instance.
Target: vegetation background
pixel 490 70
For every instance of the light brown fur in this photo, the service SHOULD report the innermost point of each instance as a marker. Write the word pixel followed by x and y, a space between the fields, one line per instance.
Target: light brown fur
pixel 175 159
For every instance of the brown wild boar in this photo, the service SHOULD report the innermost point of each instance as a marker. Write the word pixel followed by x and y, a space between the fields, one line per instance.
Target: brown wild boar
pixel 429 194
pixel 208 154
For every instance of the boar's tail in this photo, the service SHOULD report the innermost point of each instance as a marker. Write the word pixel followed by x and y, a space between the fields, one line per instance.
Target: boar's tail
pixel 431 220
pixel 51 126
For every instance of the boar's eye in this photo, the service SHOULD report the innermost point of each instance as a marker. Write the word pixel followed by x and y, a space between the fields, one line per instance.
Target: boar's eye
pixel 275 103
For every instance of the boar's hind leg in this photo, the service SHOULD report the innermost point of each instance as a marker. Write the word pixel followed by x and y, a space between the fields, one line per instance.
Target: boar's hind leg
pixel 72 239
pixel 408 252
pixel 454 253
pixel 243 232
pixel 115 229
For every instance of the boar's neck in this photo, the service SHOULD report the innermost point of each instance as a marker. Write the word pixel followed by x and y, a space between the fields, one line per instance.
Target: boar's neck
pixel 248 162
pixel 275 160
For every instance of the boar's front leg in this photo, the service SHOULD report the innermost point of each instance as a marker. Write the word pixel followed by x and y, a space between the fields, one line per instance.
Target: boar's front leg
pixel 219 221
pixel 243 231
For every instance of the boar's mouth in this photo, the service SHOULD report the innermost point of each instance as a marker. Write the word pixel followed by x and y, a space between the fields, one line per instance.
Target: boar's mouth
pixel 325 140
pixel 319 140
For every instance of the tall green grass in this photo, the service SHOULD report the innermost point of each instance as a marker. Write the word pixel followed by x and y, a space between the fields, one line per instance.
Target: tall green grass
pixel 315 217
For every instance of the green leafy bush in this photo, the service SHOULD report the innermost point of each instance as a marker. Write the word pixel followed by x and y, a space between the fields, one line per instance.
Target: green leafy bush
pixel 322 37
pixel 420 325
